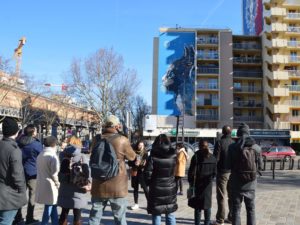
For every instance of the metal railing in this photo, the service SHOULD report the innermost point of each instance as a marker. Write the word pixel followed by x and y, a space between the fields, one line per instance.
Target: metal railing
pixel 294 58
pixel 208 70
pixel 295 88
pixel 293 29
pixel 246 60
pixel 248 118
pixel 207 117
pixel 246 46
pixel 208 86
pixel 247 104
pixel 208 102
pixel 213 41
pixel 293 103
pixel 293 73
pixel 247 89
pixel 208 56
pixel 293 44
pixel 246 73
pixel 293 15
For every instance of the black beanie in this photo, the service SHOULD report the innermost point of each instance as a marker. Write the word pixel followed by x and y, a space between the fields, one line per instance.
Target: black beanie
pixel 9 127
pixel 242 130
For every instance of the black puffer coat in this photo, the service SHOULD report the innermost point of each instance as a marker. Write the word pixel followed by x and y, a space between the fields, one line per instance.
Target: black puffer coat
pixel 205 171
pixel 159 175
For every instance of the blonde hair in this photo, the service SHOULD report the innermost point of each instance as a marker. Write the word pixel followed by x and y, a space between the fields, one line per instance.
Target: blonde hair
pixel 75 141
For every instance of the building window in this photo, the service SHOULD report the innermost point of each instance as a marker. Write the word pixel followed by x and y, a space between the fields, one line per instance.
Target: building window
pixel 295 112
pixel 295 127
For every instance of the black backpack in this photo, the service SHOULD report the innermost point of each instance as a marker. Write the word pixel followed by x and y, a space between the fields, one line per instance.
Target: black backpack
pixel 246 164
pixel 103 162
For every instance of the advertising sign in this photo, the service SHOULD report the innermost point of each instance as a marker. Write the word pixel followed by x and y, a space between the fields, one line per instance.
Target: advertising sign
pixel 252 17
pixel 176 73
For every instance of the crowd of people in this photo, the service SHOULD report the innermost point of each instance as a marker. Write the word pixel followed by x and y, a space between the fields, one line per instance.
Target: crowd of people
pixel 65 179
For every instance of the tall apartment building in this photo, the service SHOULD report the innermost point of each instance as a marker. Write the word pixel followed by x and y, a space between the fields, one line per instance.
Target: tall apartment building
pixel 281 65
pixel 225 71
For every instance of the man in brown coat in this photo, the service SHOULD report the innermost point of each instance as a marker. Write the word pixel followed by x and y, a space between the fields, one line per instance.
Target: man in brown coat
pixel 115 189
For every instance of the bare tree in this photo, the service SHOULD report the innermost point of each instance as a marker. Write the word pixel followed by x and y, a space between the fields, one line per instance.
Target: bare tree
pixel 139 110
pixel 102 83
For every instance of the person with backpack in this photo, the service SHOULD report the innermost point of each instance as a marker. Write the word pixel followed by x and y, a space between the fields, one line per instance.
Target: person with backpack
pixel 74 184
pixel 200 176
pixel 159 175
pixel 137 168
pixel 47 183
pixel 31 147
pixel 221 152
pixel 109 173
pixel 182 158
pixel 244 161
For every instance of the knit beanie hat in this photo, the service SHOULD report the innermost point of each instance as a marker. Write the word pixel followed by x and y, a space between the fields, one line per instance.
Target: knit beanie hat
pixel 9 127
pixel 242 130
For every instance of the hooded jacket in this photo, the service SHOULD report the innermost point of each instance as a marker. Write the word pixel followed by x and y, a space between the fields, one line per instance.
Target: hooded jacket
pixel 159 173
pixel 31 148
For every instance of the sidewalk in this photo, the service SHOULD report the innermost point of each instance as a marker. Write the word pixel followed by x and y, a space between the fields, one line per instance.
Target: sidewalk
pixel 277 203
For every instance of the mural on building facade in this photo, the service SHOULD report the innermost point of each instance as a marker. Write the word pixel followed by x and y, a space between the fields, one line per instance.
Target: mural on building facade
pixel 176 73
pixel 252 17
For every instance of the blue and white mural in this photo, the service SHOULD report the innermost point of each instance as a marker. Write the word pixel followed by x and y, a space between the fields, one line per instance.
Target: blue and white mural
pixel 176 74
pixel 252 17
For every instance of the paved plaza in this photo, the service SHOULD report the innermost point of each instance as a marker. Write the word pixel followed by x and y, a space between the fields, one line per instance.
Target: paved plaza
pixel 277 203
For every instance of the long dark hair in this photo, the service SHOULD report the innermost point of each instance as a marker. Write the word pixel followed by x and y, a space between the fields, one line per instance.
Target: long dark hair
pixel 161 139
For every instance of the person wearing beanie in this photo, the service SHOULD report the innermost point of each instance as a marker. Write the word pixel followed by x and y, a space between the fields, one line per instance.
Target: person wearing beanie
pixel 12 182
pixel 31 147
pixel 239 188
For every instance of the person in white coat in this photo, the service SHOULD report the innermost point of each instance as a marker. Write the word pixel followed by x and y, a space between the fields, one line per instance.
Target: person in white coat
pixel 47 180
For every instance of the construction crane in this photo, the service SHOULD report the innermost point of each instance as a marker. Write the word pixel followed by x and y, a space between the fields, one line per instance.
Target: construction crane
pixel 18 56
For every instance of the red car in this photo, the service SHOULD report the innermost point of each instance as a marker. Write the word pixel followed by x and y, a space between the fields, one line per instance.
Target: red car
pixel 278 153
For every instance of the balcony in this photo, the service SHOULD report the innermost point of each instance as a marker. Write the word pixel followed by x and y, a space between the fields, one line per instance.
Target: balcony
pixel 293 103
pixel 277 91
pixel 294 88
pixel 205 86
pixel 208 56
pixel 208 102
pixel 293 29
pixel 294 119
pixel 247 46
pixel 276 59
pixel 293 44
pixel 208 41
pixel 207 117
pixel 248 89
pixel 247 74
pixel 278 107
pixel 292 2
pixel 247 104
pixel 293 15
pixel 248 118
pixel 276 27
pixel 208 70
pixel 276 11
pixel 295 134
pixel 277 124
pixel 293 73
pixel 276 75
pixel 294 59
pixel 247 60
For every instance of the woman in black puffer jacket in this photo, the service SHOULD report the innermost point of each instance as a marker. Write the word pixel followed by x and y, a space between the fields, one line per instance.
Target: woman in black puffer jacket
pixel 159 175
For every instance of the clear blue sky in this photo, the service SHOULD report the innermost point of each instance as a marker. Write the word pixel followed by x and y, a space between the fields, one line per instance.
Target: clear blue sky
pixel 57 31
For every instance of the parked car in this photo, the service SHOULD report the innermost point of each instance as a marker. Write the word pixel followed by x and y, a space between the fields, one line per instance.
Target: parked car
pixel 278 153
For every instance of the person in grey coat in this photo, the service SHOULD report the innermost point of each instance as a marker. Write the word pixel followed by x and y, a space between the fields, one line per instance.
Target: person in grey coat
pixel 242 190
pixel 71 196
pixel 12 179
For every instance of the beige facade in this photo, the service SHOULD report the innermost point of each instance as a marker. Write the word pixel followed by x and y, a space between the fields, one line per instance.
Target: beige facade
pixel 281 66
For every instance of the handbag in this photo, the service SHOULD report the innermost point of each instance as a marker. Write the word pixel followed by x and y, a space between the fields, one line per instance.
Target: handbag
pixel 191 191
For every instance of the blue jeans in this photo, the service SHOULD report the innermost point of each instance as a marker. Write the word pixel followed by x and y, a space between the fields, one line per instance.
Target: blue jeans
pixel 170 219
pixel 197 216
pixel 237 199
pixel 7 216
pixel 118 207
pixel 50 211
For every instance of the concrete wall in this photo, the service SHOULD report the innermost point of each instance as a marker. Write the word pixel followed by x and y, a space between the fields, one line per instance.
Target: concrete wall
pixel 226 79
